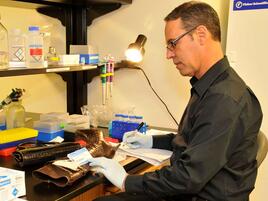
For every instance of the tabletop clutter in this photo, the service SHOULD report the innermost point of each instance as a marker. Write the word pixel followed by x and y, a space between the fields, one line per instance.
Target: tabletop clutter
pixel 61 156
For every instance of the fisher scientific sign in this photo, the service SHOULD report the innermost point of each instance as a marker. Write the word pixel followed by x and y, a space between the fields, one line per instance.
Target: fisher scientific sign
pixel 250 4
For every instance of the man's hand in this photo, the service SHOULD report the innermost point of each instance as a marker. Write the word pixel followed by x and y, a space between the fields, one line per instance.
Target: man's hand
pixel 135 139
pixel 111 169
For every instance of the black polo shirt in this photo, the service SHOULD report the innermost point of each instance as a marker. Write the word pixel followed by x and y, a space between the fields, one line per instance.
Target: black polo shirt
pixel 214 152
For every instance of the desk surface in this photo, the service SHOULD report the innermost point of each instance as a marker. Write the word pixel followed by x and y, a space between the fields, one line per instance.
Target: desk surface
pixel 37 190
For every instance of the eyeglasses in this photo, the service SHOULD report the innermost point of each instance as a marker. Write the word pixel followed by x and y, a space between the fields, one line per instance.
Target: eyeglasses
pixel 172 44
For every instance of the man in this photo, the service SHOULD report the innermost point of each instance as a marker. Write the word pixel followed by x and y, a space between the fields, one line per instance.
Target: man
pixel 214 152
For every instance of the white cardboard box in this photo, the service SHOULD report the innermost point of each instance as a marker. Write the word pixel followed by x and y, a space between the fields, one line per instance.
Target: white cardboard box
pixel 12 184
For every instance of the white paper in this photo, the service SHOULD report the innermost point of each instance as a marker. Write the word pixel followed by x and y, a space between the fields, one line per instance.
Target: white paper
pixel 58 139
pixel 152 156
pixel 80 156
pixel 67 163
pixel 12 184
pixel 158 132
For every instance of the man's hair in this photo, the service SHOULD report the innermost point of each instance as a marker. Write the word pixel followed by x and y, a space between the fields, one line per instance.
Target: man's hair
pixel 196 13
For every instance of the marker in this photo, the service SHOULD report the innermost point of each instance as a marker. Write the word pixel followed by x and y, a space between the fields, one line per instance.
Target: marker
pixel 140 126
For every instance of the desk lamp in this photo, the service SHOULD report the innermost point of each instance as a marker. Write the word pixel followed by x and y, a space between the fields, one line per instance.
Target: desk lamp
pixel 134 55
pixel 135 51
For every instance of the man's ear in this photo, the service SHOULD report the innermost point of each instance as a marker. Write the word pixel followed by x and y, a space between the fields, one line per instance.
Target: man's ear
pixel 202 34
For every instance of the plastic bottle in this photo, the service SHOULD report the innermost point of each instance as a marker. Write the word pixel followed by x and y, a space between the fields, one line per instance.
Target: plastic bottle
pixel 35 48
pixel 17 56
pixel 3 47
pixel 15 115
pixel 51 57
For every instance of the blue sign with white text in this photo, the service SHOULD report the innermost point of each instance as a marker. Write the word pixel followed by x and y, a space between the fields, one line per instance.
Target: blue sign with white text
pixel 250 4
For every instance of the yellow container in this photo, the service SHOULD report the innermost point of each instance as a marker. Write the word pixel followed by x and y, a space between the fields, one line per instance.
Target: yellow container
pixel 16 134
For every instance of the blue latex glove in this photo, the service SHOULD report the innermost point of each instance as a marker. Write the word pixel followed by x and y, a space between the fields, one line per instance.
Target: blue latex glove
pixel 111 169
pixel 135 139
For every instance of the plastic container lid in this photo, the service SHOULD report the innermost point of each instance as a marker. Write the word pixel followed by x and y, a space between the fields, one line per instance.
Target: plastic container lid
pixel 54 115
pixel 47 126
pixel 138 117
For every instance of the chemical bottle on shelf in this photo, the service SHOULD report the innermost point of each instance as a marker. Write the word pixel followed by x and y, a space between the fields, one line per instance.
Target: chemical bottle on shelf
pixel 17 56
pixel 3 46
pixel 35 48
pixel 51 58
pixel 15 115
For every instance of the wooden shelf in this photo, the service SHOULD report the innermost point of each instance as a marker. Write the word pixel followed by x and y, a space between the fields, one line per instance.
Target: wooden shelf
pixel 57 69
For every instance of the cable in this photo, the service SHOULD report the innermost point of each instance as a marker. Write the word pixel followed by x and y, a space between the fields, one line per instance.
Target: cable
pixel 138 68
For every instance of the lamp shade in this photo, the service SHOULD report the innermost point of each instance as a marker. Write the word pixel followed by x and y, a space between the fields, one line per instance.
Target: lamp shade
pixel 136 50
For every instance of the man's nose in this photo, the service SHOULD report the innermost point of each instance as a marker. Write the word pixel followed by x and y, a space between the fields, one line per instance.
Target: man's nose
pixel 169 54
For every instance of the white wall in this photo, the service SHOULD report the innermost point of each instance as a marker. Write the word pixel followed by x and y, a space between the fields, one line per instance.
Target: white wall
pixel 247 49
pixel 45 93
pixel 113 32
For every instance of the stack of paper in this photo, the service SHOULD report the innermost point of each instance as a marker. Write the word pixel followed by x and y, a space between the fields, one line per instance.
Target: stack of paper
pixel 152 156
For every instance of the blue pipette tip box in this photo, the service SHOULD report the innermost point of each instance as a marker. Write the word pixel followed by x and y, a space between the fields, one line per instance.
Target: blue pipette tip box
pixel 120 127
pixel 89 58
pixel 46 137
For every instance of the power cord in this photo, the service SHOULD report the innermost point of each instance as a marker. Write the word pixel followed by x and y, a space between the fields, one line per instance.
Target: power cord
pixel 138 68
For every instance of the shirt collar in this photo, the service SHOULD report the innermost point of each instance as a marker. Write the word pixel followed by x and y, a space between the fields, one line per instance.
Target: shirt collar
pixel 200 86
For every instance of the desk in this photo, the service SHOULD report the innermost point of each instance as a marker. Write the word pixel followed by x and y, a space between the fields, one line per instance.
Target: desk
pixel 85 189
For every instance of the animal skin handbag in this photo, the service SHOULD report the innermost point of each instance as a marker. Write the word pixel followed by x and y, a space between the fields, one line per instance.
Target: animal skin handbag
pixel 35 153
pixel 62 176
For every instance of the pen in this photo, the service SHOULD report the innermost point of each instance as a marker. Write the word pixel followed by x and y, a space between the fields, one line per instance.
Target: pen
pixel 140 126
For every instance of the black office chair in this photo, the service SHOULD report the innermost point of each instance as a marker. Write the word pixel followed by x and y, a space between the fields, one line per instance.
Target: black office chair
pixel 262 149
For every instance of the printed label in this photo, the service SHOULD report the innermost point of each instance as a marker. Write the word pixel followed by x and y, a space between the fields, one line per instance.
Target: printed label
pixel 249 5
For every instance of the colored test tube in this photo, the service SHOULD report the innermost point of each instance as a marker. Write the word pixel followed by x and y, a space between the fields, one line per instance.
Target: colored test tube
pixel 111 76
pixel 107 79
pixel 103 82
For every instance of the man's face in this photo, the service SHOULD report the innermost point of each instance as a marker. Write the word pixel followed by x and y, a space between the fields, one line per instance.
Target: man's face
pixel 184 53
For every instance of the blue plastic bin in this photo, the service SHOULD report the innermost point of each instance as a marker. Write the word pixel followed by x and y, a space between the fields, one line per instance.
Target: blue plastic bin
pixel 15 143
pixel 2 126
pixel 118 128
pixel 46 137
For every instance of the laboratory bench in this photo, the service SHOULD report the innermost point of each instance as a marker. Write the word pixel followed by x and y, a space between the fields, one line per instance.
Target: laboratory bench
pixel 84 189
